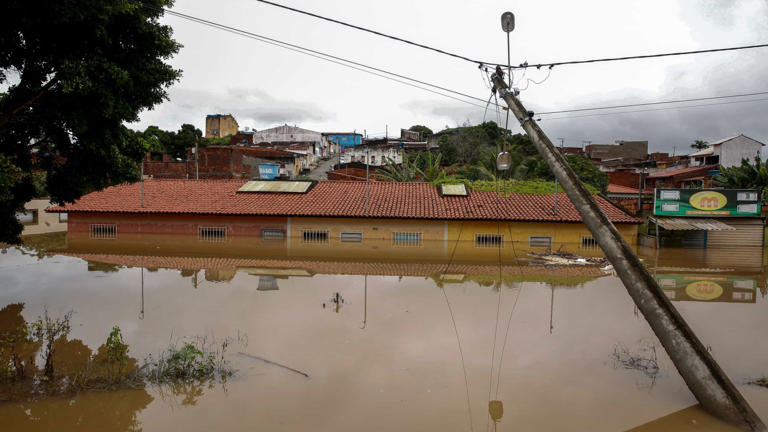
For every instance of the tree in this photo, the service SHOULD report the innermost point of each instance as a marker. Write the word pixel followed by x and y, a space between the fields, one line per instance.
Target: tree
pixel 699 145
pixel 465 145
pixel 75 72
pixel 744 176
pixel 404 172
pixel 587 172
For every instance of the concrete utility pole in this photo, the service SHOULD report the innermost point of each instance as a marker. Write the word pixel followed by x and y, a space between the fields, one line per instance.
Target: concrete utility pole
pixel 197 171
pixel 708 383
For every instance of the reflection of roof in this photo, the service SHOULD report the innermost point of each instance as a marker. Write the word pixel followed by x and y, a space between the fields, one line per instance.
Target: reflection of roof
pixel 619 189
pixel 686 224
pixel 310 267
pixel 331 199
pixel 682 171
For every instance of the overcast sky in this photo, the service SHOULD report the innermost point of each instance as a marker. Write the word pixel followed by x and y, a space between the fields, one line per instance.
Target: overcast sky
pixel 265 86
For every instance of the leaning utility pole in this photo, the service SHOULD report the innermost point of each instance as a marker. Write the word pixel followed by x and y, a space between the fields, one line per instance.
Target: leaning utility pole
pixel 708 383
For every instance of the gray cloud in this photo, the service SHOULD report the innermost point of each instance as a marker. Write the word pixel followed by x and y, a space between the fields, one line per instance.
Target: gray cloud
pixel 251 107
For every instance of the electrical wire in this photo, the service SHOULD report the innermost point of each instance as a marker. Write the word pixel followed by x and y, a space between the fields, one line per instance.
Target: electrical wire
pixel 377 33
pixel 528 81
pixel 521 66
pixel 654 103
pixel 365 68
pixel 635 57
pixel 327 57
pixel 655 109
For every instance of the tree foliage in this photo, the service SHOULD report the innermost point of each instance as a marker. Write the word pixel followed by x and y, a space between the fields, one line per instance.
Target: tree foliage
pixel 475 148
pixel 699 145
pixel 175 144
pixel 745 176
pixel 75 72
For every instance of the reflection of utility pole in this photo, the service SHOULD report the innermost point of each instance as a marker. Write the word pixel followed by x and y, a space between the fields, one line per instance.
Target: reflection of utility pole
pixel 704 377
pixel 551 302
pixel 337 301
pixel 141 311
pixel 365 297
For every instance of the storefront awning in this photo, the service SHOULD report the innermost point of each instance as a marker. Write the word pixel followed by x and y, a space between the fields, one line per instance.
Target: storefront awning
pixel 692 224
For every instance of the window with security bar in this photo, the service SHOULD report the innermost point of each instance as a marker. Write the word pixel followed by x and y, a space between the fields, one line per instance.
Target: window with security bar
pixel 351 237
pixel 540 242
pixel 272 234
pixel 406 239
pixel 314 236
pixel 212 234
pixel 489 240
pixel 103 231
pixel 589 242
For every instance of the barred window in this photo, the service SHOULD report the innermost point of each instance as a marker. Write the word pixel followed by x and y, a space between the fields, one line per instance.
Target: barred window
pixel 212 234
pixel 351 237
pixel 103 231
pixel 589 242
pixel 272 234
pixel 540 241
pixel 314 236
pixel 489 240
pixel 406 239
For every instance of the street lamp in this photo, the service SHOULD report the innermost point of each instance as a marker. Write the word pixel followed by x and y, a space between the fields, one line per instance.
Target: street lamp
pixel 504 159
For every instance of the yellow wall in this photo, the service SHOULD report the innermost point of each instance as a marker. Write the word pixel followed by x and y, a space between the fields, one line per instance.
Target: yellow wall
pixel 224 125
pixel 46 222
pixel 439 237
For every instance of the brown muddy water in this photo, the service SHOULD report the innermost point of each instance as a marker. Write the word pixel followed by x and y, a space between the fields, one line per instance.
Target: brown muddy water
pixel 406 339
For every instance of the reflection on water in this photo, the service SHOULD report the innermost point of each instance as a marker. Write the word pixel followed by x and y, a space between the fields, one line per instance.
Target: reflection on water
pixel 421 338
pixel 93 411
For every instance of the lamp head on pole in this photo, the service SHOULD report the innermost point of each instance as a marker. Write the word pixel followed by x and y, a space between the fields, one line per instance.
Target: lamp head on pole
pixel 508 22
pixel 503 161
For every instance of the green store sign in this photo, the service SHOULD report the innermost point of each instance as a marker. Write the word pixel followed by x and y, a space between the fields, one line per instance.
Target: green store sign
pixel 706 202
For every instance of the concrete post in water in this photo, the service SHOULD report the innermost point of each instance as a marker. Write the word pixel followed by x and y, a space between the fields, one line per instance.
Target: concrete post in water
pixel 704 377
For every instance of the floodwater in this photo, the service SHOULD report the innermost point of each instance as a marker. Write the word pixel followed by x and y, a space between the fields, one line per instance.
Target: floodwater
pixel 391 338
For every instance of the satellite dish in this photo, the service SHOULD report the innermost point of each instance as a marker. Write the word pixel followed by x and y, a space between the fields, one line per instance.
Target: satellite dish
pixel 503 161
pixel 508 22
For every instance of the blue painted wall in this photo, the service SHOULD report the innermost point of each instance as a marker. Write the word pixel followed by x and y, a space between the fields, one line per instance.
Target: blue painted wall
pixel 268 171
pixel 346 140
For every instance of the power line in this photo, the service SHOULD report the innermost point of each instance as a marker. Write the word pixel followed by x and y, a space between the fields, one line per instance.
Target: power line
pixel 328 57
pixel 656 109
pixel 383 73
pixel 521 66
pixel 377 33
pixel 654 103
pixel 635 57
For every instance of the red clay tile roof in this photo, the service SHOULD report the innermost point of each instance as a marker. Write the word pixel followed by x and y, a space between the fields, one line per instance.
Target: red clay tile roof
pixel 614 188
pixel 331 199
pixel 682 171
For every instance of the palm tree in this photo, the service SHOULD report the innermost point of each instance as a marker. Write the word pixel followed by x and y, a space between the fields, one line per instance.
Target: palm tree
pixel 699 145
pixel 404 172
pixel 429 169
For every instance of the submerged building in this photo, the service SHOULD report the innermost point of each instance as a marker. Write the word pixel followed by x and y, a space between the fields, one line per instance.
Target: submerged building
pixel 335 212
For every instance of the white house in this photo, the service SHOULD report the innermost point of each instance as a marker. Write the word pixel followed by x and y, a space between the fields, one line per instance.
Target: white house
pixel 373 154
pixel 727 152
